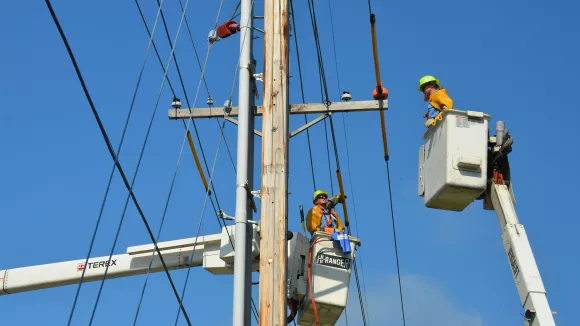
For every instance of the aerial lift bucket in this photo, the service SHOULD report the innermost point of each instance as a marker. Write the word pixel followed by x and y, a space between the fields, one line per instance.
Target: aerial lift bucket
pixel 453 160
pixel 330 278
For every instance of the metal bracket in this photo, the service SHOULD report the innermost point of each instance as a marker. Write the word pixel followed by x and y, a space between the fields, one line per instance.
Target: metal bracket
pixel 256 193
pixel 259 77
pixel 234 121
pixel 225 216
pixel 310 124
pixel 250 198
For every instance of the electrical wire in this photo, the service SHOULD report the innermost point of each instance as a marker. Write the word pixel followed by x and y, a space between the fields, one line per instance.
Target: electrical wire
pixel 211 183
pixel 208 192
pixel 327 102
pixel 206 87
pixel 108 142
pixel 199 226
pixel 334 48
pixel 386 155
pixel 360 300
pixel 354 209
pixel 112 172
pixel 395 241
pixel 302 93
pixel 136 173
pixel 183 84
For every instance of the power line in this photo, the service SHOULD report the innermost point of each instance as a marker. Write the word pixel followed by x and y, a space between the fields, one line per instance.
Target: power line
pixel 302 92
pixel 208 193
pixel 109 146
pixel 395 241
pixel 354 208
pixel 326 101
pixel 112 173
pixel 201 218
pixel 181 78
pixel 211 173
pixel 334 48
pixel 386 153
pixel 137 170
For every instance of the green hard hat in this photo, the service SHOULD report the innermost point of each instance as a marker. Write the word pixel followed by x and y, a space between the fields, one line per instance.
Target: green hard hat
pixel 426 79
pixel 318 193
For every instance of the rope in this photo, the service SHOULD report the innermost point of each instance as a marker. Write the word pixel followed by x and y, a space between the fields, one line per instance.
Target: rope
pixel 108 143
pixel 302 92
pixel 312 300
pixel 112 173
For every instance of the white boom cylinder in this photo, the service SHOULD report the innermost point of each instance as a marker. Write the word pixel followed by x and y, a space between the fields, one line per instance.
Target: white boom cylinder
pixel 177 254
pixel 242 268
pixel 521 259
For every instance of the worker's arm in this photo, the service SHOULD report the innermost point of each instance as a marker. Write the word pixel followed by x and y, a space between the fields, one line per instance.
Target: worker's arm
pixel 313 220
pixel 333 201
pixel 339 225
pixel 441 100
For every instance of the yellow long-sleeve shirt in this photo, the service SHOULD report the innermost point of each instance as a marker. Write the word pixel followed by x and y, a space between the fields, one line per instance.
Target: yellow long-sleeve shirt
pixel 314 219
pixel 440 100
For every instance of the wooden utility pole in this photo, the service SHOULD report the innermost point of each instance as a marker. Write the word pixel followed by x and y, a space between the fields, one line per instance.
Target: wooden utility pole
pixel 274 191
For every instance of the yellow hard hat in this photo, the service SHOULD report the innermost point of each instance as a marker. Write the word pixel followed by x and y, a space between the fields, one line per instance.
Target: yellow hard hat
pixel 427 79
pixel 318 193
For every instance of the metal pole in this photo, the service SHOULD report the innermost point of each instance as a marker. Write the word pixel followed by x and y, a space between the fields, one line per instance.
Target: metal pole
pixel 242 266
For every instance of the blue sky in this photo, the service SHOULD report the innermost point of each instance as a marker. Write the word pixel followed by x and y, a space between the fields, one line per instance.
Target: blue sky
pixel 514 60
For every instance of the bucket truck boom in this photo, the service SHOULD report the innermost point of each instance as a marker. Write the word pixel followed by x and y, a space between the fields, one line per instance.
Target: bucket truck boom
pixel 458 164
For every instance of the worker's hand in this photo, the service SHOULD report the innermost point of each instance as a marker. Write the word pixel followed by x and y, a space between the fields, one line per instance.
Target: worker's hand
pixel 341 198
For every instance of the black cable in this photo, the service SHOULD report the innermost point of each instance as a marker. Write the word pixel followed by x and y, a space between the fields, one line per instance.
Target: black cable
pixel 395 241
pixel 302 92
pixel 204 81
pixel 154 45
pixel 362 309
pixel 211 182
pixel 133 182
pixel 328 155
pixel 235 10
pixel 110 147
pixel 352 195
pixel 109 182
pixel 322 74
pixel 327 103
pixel 334 48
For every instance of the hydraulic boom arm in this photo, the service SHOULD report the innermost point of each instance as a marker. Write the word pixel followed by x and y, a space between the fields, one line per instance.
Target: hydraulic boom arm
pixel 521 259
pixel 213 252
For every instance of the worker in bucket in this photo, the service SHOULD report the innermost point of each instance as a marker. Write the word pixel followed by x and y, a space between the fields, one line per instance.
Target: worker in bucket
pixel 436 96
pixel 322 217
